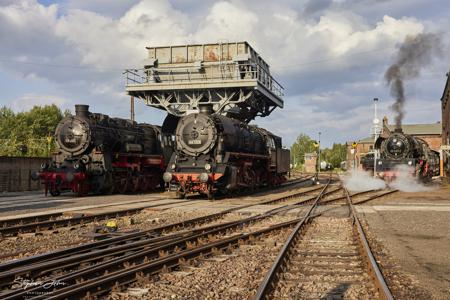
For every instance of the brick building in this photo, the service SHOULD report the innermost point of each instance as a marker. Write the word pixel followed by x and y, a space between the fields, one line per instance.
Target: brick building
pixel 445 149
pixel 431 133
pixel 310 162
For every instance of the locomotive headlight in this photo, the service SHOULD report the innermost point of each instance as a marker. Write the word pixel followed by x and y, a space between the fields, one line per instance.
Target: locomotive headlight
pixel 380 162
pixel 207 167
pixel 204 177
pixel 167 177
pixel 410 163
pixel 173 166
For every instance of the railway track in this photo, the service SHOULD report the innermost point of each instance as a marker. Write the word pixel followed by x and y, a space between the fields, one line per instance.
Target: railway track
pixel 97 267
pixel 54 221
pixel 325 258
pixel 113 257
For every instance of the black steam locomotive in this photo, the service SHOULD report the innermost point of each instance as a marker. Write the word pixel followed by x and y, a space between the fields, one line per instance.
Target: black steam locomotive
pixel 99 154
pixel 401 151
pixel 214 153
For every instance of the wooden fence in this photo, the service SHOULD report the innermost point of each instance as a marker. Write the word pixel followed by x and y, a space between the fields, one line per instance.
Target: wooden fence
pixel 15 173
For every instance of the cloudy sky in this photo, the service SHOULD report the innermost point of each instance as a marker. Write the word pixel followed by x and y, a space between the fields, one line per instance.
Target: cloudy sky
pixel 330 55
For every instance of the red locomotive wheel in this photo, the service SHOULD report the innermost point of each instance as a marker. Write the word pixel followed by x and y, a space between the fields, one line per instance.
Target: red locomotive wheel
pixel 135 184
pixel 122 186
pixel 144 183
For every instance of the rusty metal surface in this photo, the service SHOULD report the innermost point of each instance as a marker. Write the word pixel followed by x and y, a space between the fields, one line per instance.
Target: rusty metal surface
pixel 190 53
pixel 51 223
pixel 371 263
pixel 144 250
pixel 266 286
pixel 146 233
pixel 178 78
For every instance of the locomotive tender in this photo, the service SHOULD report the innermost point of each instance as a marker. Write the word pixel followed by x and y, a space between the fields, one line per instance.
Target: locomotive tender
pixel 99 154
pixel 400 149
pixel 214 153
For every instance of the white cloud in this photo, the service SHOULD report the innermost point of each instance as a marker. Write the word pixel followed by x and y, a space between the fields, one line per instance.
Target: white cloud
pixel 331 63
pixel 27 101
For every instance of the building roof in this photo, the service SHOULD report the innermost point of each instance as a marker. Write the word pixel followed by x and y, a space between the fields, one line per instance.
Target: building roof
pixel 412 129
pixel 366 140
pixel 419 129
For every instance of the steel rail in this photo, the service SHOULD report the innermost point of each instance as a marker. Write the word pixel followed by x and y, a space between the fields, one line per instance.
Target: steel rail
pixel 138 235
pixel 266 286
pixel 173 243
pixel 374 197
pixel 109 281
pixel 43 268
pixel 110 267
pixel 50 262
pixel 78 220
pixel 50 221
pixel 359 194
pixel 371 263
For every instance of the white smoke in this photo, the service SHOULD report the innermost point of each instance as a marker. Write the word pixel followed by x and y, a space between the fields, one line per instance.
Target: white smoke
pixel 405 181
pixel 359 181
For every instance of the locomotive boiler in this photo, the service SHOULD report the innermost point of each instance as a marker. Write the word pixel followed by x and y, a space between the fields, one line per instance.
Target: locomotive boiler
pixel 214 153
pixel 99 154
pixel 400 152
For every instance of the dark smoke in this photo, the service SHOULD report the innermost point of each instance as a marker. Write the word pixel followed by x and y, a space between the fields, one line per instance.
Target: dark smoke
pixel 414 54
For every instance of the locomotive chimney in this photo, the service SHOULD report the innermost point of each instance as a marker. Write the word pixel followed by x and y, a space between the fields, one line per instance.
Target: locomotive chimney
pixel 205 109
pixel 82 110
pixel 398 130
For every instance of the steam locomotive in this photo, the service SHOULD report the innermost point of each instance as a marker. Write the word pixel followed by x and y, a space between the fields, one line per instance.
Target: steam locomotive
pixel 99 154
pixel 217 154
pixel 399 151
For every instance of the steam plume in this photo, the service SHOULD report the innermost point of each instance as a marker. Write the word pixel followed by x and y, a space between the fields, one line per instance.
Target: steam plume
pixel 358 181
pixel 414 54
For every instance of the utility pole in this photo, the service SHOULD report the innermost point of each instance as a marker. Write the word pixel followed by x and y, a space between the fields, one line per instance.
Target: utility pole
pixel 132 108
pixel 376 131
pixel 319 152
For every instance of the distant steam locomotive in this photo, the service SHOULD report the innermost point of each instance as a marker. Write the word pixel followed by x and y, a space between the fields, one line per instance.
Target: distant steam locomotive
pixel 99 154
pixel 400 150
pixel 214 153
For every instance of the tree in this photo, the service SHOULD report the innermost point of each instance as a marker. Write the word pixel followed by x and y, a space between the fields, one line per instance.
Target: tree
pixel 28 133
pixel 335 155
pixel 303 144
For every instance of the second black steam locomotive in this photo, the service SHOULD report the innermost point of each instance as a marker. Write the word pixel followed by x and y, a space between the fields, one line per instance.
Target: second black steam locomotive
pixel 402 151
pixel 99 154
pixel 214 153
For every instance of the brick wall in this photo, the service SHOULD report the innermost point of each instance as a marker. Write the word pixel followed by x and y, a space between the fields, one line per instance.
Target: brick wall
pixel 361 150
pixel 15 173
pixel 310 162
pixel 434 141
